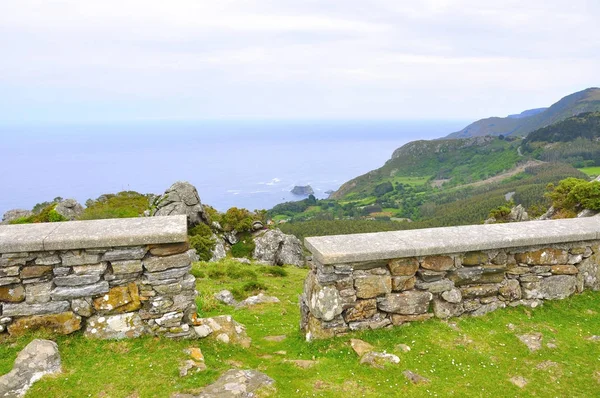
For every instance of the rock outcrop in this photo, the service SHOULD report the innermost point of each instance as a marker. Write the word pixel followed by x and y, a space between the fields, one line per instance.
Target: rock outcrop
pixel 69 209
pixel 303 190
pixel 276 248
pixel 181 199
pixel 14 214
pixel 237 383
pixel 39 358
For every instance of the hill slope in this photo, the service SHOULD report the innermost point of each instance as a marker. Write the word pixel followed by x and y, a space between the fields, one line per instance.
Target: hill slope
pixel 583 101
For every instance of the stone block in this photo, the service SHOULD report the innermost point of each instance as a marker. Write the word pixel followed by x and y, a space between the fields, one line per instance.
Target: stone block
pixel 92 269
pixel 11 280
pixel 325 302
pixel 474 258
pixel 438 263
pixel 404 266
pixel 547 256
pixel 169 249
pixel 126 267
pixel 444 309
pixel 157 264
pixel 125 254
pixel 511 290
pixel 12 293
pixel 47 259
pixel 36 271
pixel 68 292
pixel 453 296
pixel 479 291
pixel 558 287
pixel 406 303
pixel 24 309
pixel 9 271
pixel 38 293
pixel 82 307
pixel 400 283
pixel 76 280
pixel 564 270
pixel 118 300
pixel 115 327
pixel 63 323
pixel 363 309
pixel 431 276
pixel 372 286
pixel 79 257
pixel 174 273
pixel 437 286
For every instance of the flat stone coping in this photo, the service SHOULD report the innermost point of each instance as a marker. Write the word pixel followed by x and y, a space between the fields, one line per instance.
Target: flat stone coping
pixel 72 235
pixel 342 249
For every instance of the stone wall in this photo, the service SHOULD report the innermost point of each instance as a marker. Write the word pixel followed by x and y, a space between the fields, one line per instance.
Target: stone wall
pixel 111 278
pixel 371 281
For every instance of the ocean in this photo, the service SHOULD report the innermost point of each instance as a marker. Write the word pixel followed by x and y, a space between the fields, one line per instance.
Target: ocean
pixel 251 164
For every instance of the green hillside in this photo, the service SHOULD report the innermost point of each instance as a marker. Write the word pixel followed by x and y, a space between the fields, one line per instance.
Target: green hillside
pixel 452 181
pixel 581 102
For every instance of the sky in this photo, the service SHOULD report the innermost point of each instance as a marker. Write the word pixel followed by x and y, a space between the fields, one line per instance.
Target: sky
pixel 131 60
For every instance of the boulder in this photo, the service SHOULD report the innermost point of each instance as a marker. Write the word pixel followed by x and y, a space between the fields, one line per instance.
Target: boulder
pixel 39 358
pixel 219 252
pixel 303 190
pixel 14 214
pixel 517 214
pixel 224 329
pixel 115 327
pixel 225 297
pixel 181 199
pixel 64 323
pixel 379 359
pixel 237 383
pixel 277 248
pixel 69 209
pixel 259 299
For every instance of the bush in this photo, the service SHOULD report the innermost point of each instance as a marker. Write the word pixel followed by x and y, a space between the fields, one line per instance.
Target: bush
pixel 274 271
pixel 200 230
pixel 234 272
pixel 559 194
pixel 204 246
pixel 237 219
pixel 254 287
pixel 47 214
pixel 587 195
pixel 244 248
pixel 126 204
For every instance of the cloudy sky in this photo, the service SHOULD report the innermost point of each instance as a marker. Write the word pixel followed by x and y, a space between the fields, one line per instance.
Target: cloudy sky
pixel 113 60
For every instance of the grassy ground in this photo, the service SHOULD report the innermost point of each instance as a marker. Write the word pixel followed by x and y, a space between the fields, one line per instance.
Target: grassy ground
pixel 591 171
pixel 472 357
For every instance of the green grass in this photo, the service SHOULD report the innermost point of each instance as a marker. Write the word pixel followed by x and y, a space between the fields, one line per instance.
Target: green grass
pixel 413 181
pixel 591 171
pixel 470 357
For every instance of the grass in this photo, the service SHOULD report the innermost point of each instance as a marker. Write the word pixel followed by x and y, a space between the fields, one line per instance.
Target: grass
pixel 473 357
pixel 591 171
pixel 413 181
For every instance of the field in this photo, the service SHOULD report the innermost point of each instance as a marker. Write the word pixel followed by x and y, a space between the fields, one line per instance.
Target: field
pixel 591 171
pixel 473 357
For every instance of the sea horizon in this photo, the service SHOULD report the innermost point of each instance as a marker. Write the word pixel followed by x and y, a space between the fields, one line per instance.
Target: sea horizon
pixel 243 163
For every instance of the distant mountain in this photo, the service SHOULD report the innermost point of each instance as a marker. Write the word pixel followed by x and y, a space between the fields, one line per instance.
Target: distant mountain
pixel 527 113
pixel 583 101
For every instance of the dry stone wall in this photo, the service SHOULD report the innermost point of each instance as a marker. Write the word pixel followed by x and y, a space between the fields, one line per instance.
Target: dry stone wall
pixel 111 278
pixel 410 276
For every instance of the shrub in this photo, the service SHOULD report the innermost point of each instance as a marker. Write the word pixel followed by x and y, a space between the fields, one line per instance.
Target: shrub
pixel 254 287
pixel 234 272
pixel 216 274
pixel 274 271
pixel 204 246
pixel 559 194
pixel 126 204
pixel 200 230
pixel 587 195
pixel 244 248
pixel 237 219
pixel 47 214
